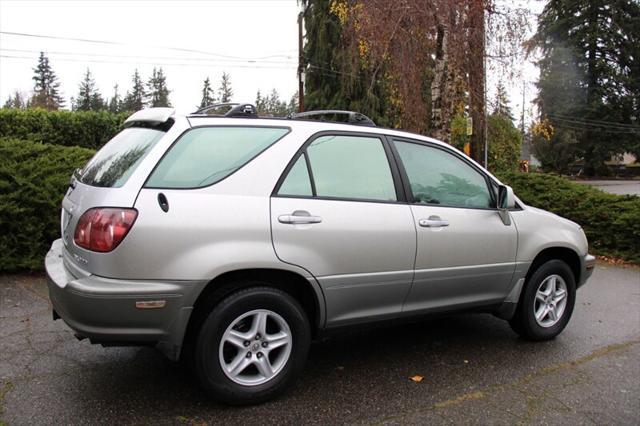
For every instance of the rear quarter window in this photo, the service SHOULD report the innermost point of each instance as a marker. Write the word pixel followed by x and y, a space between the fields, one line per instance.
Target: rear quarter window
pixel 206 155
pixel 112 165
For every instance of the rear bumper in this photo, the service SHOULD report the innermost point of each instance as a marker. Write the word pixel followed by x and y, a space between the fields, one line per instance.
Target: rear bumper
pixel 109 312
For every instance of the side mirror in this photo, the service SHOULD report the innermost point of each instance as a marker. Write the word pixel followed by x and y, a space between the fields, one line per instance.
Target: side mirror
pixel 506 201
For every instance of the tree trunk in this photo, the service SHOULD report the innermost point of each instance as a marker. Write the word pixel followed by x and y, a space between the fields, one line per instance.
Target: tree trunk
pixel 438 86
pixel 475 70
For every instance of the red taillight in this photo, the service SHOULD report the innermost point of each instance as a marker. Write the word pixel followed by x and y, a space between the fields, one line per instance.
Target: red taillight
pixel 102 229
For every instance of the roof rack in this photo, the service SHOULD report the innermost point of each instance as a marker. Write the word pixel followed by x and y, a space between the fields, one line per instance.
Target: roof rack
pixel 236 110
pixel 250 111
pixel 353 117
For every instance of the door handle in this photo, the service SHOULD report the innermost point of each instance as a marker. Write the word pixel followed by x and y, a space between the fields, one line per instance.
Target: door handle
pixel 433 222
pixel 299 217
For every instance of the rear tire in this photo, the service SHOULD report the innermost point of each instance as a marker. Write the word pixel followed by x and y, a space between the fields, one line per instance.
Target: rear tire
pixel 546 303
pixel 252 346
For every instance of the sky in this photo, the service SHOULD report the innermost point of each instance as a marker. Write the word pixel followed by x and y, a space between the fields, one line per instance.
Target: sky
pixel 255 41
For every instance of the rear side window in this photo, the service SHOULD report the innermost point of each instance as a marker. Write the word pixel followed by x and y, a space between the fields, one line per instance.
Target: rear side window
pixel 297 181
pixel 206 155
pixel 116 161
pixel 343 167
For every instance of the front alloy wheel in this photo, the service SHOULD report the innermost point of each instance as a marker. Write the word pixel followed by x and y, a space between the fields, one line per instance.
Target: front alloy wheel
pixel 550 301
pixel 546 302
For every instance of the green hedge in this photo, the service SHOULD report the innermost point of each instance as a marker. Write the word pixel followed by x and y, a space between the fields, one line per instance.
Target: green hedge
pixel 611 222
pixel 89 129
pixel 33 180
pixel 34 177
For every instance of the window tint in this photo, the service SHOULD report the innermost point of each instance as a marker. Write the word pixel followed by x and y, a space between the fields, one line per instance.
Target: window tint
pixel 297 181
pixel 351 167
pixel 206 155
pixel 117 160
pixel 438 177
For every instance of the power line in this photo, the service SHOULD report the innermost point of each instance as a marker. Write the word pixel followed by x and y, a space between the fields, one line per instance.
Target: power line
pixel 588 124
pixel 603 130
pixel 155 63
pixel 106 55
pixel 120 43
pixel 577 119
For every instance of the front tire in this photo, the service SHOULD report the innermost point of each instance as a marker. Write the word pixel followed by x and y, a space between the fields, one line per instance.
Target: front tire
pixel 252 346
pixel 547 302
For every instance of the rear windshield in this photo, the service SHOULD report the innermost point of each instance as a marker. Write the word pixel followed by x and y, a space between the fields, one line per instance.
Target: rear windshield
pixel 206 155
pixel 118 159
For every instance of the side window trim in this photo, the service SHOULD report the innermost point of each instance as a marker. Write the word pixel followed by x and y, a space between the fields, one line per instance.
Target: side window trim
pixel 388 150
pixel 312 181
pixel 405 177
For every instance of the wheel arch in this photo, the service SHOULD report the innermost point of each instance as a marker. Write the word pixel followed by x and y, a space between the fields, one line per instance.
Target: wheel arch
pixel 305 290
pixel 567 255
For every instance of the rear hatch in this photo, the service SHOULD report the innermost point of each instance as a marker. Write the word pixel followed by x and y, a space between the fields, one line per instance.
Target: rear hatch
pixel 104 182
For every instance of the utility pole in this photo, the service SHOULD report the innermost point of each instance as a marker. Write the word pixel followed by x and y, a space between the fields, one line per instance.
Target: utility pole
pixel 476 77
pixel 524 88
pixel 484 100
pixel 300 66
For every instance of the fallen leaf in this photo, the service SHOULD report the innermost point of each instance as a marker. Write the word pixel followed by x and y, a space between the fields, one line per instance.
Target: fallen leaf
pixel 417 378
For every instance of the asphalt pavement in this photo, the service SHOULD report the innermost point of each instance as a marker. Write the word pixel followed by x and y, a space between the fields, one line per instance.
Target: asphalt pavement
pixel 475 371
pixel 620 187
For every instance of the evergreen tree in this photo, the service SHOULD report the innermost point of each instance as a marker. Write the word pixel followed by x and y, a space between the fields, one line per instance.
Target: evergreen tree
pixel 115 103
pixel 16 101
pixel 88 99
pixel 505 143
pixel 587 89
pixel 324 57
pixel 225 92
pixel 208 98
pixel 501 106
pixel 293 107
pixel 271 105
pixel 135 100
pixel 331 82
pixel 46 88
pixel 261 104
pixel 276 107
pixel 158 94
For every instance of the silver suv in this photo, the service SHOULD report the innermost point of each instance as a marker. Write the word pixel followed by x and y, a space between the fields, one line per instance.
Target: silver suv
pixel 233 241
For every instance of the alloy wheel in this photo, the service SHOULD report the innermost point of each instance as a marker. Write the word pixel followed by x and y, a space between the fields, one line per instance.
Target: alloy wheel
pixel 550 301
pixel 255 347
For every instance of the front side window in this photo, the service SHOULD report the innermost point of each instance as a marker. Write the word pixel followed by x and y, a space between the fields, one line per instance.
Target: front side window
pixel 348 167
pixel 112 165
pixel 206 155
pixel 440 178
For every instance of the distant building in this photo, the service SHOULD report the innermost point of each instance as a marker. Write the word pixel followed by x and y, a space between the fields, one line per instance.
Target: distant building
pixel 526 152
pixel 623 159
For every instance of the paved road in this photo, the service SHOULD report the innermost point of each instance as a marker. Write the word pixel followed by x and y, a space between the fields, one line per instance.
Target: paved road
pixel 621 187
pixel 475 371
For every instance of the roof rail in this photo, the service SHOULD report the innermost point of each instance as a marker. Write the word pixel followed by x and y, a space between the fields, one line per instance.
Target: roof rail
pixel 236 110
pixel 353 117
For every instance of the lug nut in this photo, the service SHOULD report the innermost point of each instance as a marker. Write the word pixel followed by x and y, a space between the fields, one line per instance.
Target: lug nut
pixel 258 336
pixel 246 343
pixel 264 344
pixel 259 354
pixel 248 354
